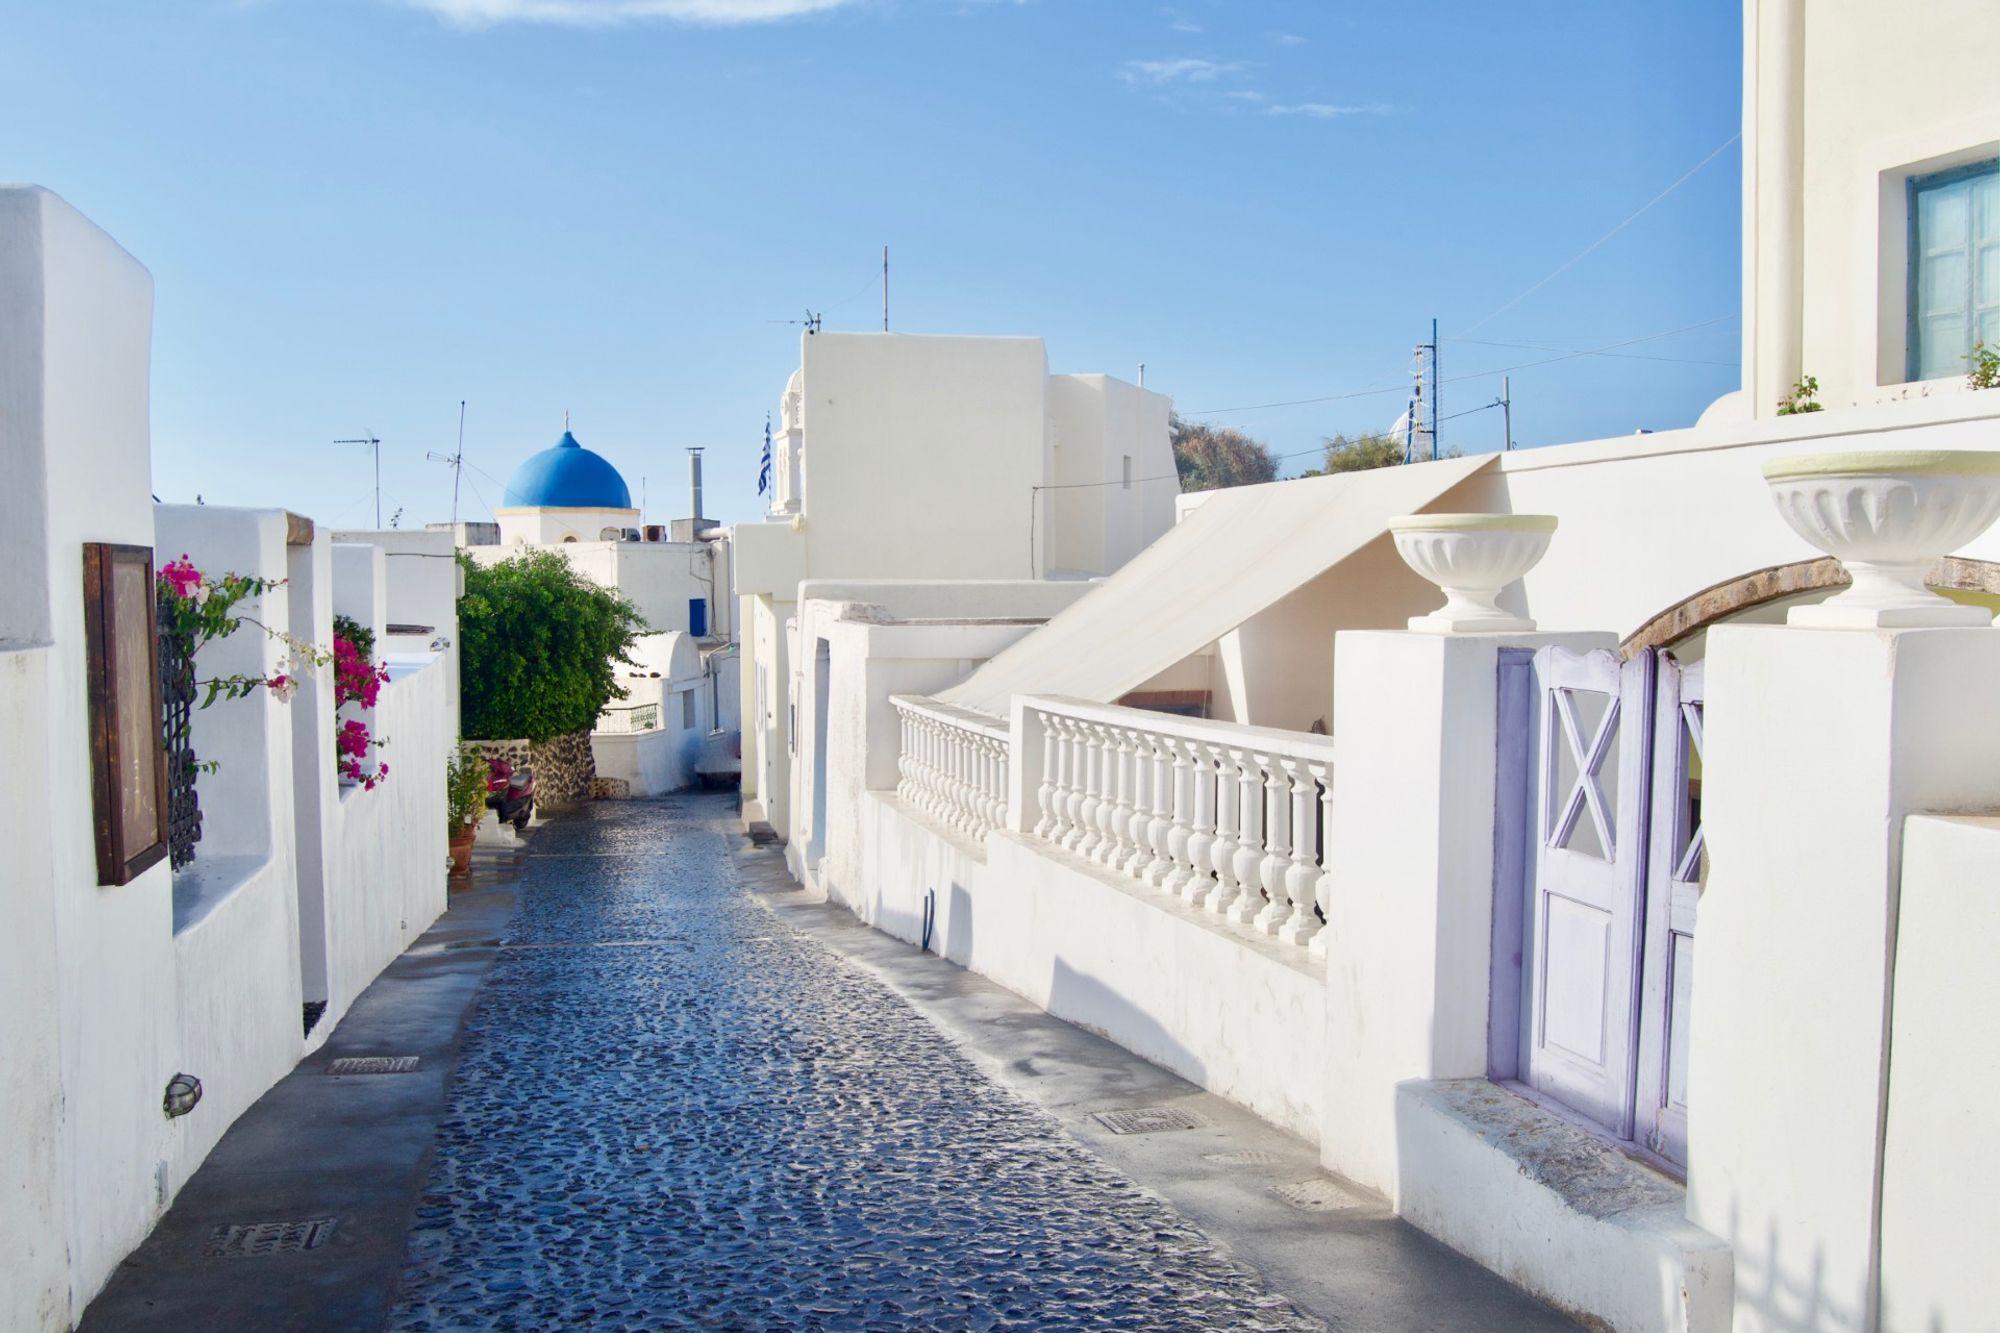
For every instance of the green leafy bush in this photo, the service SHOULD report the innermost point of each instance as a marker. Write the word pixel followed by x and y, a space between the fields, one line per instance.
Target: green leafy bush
pixel 1985 373
pixel 465 788
pixel 538 643
pixel 1803 398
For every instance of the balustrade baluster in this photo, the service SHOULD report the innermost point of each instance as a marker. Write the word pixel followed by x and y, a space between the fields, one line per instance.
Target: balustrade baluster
pixel 1159 809
pixel 1056 739
pixel 1277 846
pixel 1120 849
pixel 1300 880
pixel 1178 822
pixel 1228 825
pixel 1322 894
pixel 1048 797
pixel 1138 850
pixel 1250 832
pixel 1079 785
pixel 1093 790
pixel 1108 818
pixel 1201 773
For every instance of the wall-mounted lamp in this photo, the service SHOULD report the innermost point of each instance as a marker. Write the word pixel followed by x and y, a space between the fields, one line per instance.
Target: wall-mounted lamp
pixel 183 1091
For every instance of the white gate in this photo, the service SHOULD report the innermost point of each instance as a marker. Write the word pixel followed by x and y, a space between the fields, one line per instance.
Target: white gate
pixel 1608 882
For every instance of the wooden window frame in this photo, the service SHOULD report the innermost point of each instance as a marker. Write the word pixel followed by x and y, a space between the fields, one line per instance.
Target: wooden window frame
pixel 101 637
pixel 1912 328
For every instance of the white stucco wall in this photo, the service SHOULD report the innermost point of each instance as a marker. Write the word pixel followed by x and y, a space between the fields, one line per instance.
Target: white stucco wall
pixel 1844 100
pixel 658 578
pixel 1107 433
pixel 547 527
pixel 387 878
pixel 1941 1164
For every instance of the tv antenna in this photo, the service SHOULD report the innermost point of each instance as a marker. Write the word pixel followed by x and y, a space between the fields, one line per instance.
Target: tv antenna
pixel 457 461
pixel 374 442
pixel 810 323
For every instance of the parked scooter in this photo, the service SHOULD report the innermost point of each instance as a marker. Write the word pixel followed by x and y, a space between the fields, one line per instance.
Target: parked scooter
pixel 511 792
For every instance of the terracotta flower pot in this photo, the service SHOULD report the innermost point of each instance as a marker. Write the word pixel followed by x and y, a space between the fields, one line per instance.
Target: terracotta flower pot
pixel 461 851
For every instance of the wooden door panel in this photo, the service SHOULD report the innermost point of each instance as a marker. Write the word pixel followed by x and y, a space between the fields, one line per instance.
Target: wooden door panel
pixel 1673 900
pixel 1592 723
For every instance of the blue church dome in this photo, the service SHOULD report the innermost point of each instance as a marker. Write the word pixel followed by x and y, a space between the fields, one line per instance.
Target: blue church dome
pixel 567 476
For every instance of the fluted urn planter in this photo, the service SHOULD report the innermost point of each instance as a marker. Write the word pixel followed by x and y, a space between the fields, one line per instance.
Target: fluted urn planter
pixel 1471 557
pixel 1887 517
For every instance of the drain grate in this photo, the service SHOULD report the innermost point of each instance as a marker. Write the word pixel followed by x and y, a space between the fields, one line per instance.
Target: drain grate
pixel 1318 1195
pixel 1150 1120
pixel 374 1064
pixel 1248 1157
pixel 251 1240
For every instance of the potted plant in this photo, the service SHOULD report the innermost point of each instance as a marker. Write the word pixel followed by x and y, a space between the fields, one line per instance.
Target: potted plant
pixel 465 799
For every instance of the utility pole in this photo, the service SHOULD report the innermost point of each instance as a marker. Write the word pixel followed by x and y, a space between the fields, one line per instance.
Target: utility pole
pixel 1437 416
pixel 885 289
pixel 1506 413
pixel 374 443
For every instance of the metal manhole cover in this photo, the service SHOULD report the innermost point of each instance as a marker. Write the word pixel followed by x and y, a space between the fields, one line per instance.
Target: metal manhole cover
pixel 1249 1157
pixel 1318 1195
pixel 1150 1120
pixel 249 1240
pixel 374 1064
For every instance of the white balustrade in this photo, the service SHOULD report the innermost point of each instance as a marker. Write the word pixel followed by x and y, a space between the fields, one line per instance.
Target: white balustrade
pixel 1227 818
pixel 953 766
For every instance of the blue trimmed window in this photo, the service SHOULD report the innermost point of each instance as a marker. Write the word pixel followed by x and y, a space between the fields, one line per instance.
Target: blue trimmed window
pixel 1954 268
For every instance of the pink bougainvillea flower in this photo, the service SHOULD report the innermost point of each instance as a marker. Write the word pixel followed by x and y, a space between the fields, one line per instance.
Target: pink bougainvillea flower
pixel 185 579
pixel 282 687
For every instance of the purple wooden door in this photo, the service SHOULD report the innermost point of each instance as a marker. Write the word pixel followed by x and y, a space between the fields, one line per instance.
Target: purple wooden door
pixel 1592 721
pixel 1673 891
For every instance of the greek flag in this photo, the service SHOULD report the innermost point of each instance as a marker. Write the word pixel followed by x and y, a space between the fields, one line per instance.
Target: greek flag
pixel 764 468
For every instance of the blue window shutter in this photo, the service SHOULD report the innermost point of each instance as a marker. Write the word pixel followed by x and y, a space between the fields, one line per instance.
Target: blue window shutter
pixel 1954 291
pixel 698 617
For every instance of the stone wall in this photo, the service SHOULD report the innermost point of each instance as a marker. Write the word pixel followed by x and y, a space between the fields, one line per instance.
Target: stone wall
pixel 564 769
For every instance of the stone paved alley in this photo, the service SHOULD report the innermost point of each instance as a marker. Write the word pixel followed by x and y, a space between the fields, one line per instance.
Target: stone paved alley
pixel 679 1107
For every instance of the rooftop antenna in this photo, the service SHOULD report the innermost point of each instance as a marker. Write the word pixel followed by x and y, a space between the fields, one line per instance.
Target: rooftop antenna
pixel 375 443
pixel 456 460
pixel 885 289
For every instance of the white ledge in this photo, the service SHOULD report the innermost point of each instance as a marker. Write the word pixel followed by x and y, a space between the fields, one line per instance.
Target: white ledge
pixel 207 882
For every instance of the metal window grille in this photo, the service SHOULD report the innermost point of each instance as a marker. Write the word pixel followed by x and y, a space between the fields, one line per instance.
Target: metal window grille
pixel 176 722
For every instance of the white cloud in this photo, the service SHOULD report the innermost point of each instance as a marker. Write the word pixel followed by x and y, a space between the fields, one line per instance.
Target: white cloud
pixel 607 13
pixel 1188 69
pixel 1184 25
pixel 1328 111
pixel 1247 95
pixel 1289 39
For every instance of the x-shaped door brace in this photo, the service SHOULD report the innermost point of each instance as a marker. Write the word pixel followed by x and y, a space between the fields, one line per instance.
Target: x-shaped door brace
pixel 1688 869
pixel 1585 793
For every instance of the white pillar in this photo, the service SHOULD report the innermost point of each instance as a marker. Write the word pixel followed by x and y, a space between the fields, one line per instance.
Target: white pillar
pixel 1410 859
pixel 1819 743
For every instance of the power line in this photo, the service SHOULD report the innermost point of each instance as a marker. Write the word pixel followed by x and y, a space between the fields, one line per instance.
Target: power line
pixel 1471 375
pixel 1576 258
pixel 1627 356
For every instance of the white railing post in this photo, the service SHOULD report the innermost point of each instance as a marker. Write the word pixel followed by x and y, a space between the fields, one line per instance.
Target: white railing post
pixel 1119 823
pixel 1228 829
pixel 1093 785
pixel 1249 839
pixel 1160 818
pixel 1277 847
pixel 1300 925
pixel 1201 774
pixel 1045 791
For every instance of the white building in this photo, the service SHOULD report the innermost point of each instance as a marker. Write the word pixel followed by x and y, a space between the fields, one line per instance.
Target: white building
pixel 678 576
pixel 120 970
pixel 1434 900
pixel 919 457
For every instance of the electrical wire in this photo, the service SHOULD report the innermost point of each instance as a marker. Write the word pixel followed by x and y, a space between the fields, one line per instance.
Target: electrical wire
pixel 1580 255
pixel 1626 356
pixel 1471 375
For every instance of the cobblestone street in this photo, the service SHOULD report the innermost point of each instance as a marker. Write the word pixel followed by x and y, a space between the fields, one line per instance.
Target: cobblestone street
pixel 675 1111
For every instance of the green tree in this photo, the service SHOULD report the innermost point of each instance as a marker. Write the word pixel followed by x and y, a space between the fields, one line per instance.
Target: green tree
pixel 1361 453
pixel 1210 457
pixel 537 647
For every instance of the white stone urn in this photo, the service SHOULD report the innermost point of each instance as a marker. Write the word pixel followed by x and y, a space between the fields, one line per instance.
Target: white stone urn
pixel 1472 557
pixel 1887 516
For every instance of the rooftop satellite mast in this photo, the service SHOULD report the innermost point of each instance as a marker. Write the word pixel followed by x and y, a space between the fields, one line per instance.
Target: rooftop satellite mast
pixel 373 442
pixel 456 460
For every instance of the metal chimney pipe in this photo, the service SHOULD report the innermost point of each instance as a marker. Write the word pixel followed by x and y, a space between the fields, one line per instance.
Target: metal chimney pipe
pixel 694 482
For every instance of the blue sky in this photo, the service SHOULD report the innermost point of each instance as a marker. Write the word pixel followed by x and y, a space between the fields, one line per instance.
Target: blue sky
pixel 359 212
